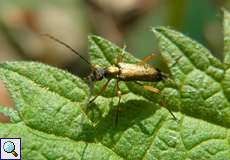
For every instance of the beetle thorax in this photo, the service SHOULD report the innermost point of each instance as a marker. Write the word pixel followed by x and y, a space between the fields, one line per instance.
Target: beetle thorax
pixel 112 71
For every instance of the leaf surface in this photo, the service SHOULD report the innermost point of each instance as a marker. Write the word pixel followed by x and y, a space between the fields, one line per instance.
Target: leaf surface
pixel 55 121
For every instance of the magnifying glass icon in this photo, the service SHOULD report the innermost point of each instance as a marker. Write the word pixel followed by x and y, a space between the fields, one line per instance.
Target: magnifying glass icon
pixel 9 147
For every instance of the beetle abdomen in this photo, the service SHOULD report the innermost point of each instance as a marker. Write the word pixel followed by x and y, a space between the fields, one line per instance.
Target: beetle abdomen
pixel 130 72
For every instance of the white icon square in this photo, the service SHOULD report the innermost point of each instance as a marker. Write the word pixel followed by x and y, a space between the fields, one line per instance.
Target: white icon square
pixel 10 148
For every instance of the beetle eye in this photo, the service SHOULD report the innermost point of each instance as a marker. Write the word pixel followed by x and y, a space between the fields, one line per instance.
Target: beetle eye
pixel 99 74
pixel 100 77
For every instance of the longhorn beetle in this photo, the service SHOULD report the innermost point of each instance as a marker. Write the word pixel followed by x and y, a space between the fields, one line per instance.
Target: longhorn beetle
pixel 122 72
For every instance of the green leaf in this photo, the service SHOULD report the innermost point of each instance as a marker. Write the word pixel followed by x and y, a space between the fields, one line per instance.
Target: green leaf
pixel 48 99
pixel 56 121
pixel 9 112
pixel 197 75
pixel 146 131
pixel 226 80
pixel 38 145
pixel 226 24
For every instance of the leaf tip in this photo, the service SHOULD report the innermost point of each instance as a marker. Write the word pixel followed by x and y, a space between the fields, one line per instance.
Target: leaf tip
pixel 11 113
pixel 161 29
pixel 94 37
pixel 157 31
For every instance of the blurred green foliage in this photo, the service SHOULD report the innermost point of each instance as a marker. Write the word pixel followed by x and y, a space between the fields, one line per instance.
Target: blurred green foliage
pixel 126 22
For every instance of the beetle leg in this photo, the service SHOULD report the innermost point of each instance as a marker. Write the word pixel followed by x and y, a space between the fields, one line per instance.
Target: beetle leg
pixel 163 104
pixel 118 92
pixel 155 90
pixel 148 58
pixel 151 89
pixel 121 55
pixel 102 90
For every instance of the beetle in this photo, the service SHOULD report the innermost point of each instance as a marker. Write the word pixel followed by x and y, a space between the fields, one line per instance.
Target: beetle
pixel 122 72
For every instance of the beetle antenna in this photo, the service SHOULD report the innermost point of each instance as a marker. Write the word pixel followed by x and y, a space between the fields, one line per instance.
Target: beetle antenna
pixel 67 46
